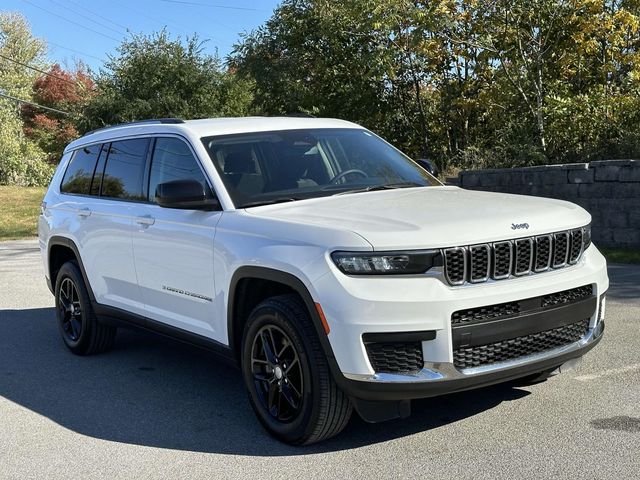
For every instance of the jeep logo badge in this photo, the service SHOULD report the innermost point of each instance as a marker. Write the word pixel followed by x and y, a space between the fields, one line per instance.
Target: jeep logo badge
pixel 518 226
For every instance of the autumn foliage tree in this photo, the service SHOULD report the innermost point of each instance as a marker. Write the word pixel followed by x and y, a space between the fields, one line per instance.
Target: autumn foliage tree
pixel 66 91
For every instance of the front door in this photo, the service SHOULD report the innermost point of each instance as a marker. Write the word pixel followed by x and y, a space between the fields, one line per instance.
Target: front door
pixel 173 248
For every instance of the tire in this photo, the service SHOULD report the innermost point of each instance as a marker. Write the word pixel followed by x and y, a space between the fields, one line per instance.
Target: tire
pixel 312 408
pixel 77 322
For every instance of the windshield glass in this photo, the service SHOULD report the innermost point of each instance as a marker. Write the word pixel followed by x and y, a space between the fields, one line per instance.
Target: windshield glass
pixel 270 167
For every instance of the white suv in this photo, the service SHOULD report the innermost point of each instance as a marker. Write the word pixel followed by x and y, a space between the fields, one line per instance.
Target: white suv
pixel 333 269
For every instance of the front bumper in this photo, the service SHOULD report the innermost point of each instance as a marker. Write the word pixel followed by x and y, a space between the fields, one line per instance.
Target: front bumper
pixel 357 307
pixel 442 378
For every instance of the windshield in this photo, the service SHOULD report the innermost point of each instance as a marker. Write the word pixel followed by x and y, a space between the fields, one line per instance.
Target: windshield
pixel 270 167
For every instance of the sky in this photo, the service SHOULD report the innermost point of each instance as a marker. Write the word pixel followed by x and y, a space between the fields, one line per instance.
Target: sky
pixel 89 30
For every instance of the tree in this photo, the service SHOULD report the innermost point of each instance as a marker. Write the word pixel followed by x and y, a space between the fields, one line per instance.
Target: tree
pixel 21 161
pixel 155 76
pixel 67 91
pixel 471 83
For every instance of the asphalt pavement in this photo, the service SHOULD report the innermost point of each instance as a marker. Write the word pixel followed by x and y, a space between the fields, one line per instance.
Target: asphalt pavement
pixel 154 408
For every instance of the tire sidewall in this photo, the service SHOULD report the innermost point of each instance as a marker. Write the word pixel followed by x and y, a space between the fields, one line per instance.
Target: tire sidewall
pixel 298 429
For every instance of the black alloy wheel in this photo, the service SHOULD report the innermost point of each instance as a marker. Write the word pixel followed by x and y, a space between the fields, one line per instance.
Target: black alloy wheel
pixel 277 373
pixel 70 310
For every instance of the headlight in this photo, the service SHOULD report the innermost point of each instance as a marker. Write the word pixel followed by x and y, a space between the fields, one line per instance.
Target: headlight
pixel 386 263
pixel 586 237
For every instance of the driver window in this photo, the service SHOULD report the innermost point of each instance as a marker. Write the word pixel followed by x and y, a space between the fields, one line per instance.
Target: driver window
pixel 172 160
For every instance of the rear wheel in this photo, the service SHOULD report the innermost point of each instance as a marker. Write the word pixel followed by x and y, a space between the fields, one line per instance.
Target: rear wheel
pixel 287 376
pixel 77 322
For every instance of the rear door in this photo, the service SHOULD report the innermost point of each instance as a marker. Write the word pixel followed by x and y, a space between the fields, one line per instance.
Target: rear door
pixel 173 248
pixel 104 229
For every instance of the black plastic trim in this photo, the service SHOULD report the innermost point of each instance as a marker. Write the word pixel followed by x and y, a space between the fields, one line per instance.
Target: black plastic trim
pixel 296 285
pixel 67 242
pixel 483 333
pixel 119 317
pixel 393 337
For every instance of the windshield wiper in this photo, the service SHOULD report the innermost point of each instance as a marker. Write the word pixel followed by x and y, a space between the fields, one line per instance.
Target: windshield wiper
pixel 269 202
pixel 384 186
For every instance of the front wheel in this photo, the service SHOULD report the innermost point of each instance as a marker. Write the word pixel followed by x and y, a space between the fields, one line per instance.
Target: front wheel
pixel 287 376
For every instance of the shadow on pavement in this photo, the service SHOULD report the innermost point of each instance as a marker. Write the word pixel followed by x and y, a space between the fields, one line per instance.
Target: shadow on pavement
pixel 624 282
pixel 155 392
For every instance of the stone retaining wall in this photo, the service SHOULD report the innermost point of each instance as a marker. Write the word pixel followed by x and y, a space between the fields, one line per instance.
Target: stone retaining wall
pixel 608 189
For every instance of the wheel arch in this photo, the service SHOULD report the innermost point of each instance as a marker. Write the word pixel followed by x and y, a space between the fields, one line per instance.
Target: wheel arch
pixel 60 250
pixel 280 282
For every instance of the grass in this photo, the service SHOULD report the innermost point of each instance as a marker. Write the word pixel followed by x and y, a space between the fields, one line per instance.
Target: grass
pixel 19 209
pixel 619 255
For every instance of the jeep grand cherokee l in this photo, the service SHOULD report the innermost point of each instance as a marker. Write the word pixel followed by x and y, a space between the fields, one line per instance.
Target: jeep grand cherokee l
pixel 334 270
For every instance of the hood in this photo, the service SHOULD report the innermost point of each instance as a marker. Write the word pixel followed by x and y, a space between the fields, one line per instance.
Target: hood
pixel 432 217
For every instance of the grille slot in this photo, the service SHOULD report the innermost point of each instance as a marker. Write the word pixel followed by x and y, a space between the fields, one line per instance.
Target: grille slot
pixel 455 263
pixel 400 358
pixel 543 253
pixel 501 260
pixel 524 256
pixel 576 246
pixel 487 313
pixel 519 347
pixel 480 263
pixel 560 249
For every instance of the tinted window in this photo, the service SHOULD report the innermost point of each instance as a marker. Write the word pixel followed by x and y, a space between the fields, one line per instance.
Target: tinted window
pixel 173 160
pixel 125 169
pixel 77 178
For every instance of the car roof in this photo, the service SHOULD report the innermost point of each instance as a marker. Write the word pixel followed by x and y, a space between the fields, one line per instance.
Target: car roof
pixel 207 127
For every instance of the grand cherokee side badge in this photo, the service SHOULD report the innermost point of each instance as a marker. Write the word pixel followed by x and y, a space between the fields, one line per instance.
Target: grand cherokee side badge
pixel 519 226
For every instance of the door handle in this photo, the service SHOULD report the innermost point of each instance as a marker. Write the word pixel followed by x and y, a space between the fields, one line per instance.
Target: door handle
pixel 84 212
pixel 145 220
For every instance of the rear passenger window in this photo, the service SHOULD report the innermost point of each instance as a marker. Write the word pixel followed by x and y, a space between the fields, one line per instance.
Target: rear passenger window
pixel 77 178
pixel 173 160
pixel 125 169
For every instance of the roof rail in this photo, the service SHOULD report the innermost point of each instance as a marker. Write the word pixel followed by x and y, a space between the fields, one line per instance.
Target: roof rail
pixel 299 115
pixel 138 122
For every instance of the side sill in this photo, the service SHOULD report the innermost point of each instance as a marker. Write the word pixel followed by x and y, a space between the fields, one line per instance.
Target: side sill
pixel 121 318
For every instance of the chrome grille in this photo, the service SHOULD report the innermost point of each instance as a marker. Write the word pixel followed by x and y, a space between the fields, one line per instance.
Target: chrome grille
pixel 524 256
pixel 519 257
pixel 480 263
pixel 455 261
pixel 543 253
pixel 560 249
pixel 575 246
pixel 501 260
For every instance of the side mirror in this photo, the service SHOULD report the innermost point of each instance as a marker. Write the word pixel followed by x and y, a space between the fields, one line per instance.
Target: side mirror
pixel 185 194
pixel 428 166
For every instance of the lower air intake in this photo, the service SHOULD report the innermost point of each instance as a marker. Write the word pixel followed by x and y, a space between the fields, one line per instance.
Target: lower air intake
pixel 515 348
pixel 400 358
